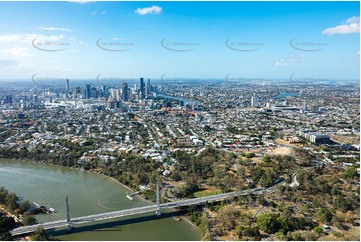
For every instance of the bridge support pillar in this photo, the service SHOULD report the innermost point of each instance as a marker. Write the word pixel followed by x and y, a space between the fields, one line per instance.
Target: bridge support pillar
pixel 157 212
pixel 68 224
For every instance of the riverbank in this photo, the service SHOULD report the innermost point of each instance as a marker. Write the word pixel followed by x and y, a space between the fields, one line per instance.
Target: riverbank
pixel 128 188
pixel 7 213
pixel 147 201
pixel 111 200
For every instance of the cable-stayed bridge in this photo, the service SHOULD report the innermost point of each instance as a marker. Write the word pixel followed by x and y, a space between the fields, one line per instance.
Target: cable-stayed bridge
pixel 133 211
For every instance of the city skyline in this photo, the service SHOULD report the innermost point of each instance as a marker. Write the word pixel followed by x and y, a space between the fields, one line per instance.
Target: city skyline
pixel 277 40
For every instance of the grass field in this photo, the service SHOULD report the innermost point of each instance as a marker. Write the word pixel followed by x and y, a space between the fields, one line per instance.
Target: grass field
pixel 206 191
pixel 346 139
pixel 351 235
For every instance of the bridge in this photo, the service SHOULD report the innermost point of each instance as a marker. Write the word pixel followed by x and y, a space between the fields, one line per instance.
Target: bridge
pixel 133 211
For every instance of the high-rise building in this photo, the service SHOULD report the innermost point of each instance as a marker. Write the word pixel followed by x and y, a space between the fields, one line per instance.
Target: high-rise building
pixel 67 89
pixel 76 91
pixel 254 101
pixel 117 94
pixel 33 114
pixel 93 92
pixel 87 93
pixel 142 89
pixel 125 92
pixel 8 99
pixel 35 99
pixel 105 91
pixel 304 106
pixel 119 104
pixel 149 88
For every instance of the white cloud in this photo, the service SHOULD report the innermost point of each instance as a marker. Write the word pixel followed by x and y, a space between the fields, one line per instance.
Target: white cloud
pixel 28 38
pixel 281 63
pixel 4 64
pixel 11 38
pixel 17 52
pixel 75 40
pixel 53 29
pixel 154 9
pixel 96 12
pixel 290 60
pixel 354 19
pixel 350 26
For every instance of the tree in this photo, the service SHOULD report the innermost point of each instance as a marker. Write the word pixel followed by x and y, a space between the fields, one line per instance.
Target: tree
pixel 6 237
pixel 262 200
pixel 350 172
pixel 6 224
pixel 342 204
pixel 266 159
pixel 252 232
pixel 25 205
pixel 318 230
pixel 40 235
pixel 268 222
pixel 29 219
pixel 11 201
pixel 324 215
pixel 228 216
pixel 250 155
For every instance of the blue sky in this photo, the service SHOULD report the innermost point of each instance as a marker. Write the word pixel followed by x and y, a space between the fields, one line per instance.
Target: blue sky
pixel 180 39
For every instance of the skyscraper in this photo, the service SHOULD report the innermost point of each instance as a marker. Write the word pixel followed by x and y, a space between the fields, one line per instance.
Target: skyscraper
pixel 304 106
pixel 87 91
pixel 67 89
pixel 105 91
pixel 125 92
pixel 254 101
pixel 76 91
pixel 93 92
pixel 8 99
pixel 149 88
pixel 35 99
pixel 142 88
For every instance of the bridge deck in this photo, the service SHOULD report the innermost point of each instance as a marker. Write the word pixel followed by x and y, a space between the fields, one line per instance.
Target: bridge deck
pixel 134 211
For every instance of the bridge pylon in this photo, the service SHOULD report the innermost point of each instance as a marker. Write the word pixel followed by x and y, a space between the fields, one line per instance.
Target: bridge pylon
pixel 68 224
pixel 157 212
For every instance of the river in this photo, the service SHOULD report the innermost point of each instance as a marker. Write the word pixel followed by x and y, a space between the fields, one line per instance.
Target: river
pixel 184 100
pixel 287 94
pixel 89 193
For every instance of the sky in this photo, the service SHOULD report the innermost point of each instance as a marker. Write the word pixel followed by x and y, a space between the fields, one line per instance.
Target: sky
pixel 119 40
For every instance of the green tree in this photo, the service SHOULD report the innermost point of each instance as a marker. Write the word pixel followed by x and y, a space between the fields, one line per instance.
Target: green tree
pixel 11 201
pixel 342 204
pixel 262 200
pixel 6 237
pixel 29 219
pixel 25 205
pixel 350 172
pixel 324 215
pixel 6 224
pixel 250 155
pixel 268 222
pixel 318 230
pixel 266 159
pixel 40 235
